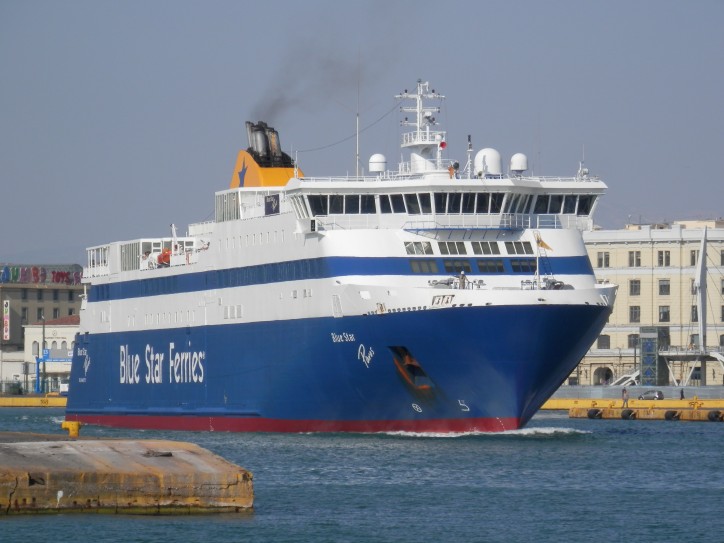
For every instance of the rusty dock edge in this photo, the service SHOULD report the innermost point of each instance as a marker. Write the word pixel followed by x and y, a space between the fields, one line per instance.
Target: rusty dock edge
pixel 117 476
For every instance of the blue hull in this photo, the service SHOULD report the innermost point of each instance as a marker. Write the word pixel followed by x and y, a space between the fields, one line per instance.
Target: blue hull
pixel 475 369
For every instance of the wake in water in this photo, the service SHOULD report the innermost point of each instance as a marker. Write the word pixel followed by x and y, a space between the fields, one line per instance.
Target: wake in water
pixel 544 432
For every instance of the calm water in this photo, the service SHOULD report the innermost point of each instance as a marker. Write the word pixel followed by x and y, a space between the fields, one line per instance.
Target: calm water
pixel 560 479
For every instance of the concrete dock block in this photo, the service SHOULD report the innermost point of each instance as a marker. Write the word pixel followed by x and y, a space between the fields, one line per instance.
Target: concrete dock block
pixel 119 476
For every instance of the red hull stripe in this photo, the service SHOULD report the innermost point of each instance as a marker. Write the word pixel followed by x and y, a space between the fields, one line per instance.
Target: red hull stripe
pixel 231 424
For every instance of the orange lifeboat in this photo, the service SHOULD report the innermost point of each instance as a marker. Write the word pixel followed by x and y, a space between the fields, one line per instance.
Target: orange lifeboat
pixel 164 259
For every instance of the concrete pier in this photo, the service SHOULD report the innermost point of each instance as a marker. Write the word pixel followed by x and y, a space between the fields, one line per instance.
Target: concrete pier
pixel 53 474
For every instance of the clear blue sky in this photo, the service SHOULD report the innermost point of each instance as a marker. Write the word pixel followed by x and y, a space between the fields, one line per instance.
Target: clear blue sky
pixel 120 118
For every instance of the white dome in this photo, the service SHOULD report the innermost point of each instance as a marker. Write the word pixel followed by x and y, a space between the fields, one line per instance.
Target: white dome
pixel 518 163
pixel 378 163
pixel 488 163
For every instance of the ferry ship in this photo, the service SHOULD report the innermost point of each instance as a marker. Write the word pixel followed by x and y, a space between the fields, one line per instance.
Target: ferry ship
pixel 433 298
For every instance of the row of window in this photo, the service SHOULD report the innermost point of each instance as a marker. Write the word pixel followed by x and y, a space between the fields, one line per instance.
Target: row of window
pixel 663 258
pixel 455 203
pixel 634 287
pixel 40 296
pixel 634 313
pixel 456 265
pixel 40 313
pixel 478 247
pixel 604 341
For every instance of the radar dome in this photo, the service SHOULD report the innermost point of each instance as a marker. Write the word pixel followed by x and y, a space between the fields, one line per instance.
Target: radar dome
pixel 518 163
pixel 488 163
pixel 378 163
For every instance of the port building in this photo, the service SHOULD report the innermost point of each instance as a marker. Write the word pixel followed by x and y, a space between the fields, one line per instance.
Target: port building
pixel 667 326
pixel 40 305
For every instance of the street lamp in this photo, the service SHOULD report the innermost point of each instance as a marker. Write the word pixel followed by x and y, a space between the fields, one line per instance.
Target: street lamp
pixel 42 350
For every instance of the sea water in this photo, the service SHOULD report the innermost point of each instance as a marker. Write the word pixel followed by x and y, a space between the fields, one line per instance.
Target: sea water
pixel 559 479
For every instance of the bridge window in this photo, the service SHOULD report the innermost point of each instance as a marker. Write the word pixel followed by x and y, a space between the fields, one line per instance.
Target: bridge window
pixel 318 204
pixel 336 204
pixel 367 204
pixel 351 204
pixel 585 203
pixel 468 203
pixel 425 203
pixel 569 204
pixel 413 206
pixel 490 265
pixel 454 200
pixel 541 204
pixel 398 204
pixel 556 203
pixel 482 204
pixel 496 202
pixel 456 265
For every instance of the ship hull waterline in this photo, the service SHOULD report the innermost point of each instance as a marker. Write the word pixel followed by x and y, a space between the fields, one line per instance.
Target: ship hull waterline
pixel 483 369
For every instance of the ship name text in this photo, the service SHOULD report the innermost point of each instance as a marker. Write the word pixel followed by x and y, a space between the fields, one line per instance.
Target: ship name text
pixel 179 367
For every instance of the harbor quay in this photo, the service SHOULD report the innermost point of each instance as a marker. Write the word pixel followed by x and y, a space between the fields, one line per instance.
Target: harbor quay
pixel 59 474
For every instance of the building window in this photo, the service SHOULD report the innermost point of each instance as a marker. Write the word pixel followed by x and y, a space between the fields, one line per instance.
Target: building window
pixel 694 313
pixel 633 341
pixel 664 313
pixel 721 258
pixel 24 294
pixel 664 287
pixel 603 260
pixel 56 295
pixel 24 315
pixel 664 258
pixel 39 313
pixel 604 342
pixel 634 259
pixel 56 312
pixel 70 296
pixel 722 286
pixel 694 256
pixel 634 287
pixel 39 295
pixel 71 311
pixel 721 340
pixel 634 313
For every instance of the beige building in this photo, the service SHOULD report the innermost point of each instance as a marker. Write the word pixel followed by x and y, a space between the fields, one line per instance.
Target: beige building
pixel 30 295
pixel 658 324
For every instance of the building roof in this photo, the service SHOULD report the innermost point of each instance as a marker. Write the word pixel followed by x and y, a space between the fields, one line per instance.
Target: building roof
pixel 69 320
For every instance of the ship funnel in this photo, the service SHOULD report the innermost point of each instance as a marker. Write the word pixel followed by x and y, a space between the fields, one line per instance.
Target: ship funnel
pixel 264 145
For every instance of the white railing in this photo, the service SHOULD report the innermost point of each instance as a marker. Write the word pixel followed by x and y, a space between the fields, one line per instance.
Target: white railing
pixel 411 138
pixel 512 221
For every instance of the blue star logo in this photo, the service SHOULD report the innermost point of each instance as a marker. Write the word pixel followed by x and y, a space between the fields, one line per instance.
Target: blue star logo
pixel 242 173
